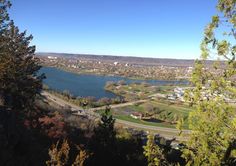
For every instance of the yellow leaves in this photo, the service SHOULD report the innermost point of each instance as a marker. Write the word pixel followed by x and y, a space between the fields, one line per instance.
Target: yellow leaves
pixel 234 49
pixel 179 125
pixel 214 118
pixel 233 21
pixel 223 48
pixel 234 123
pixel 188 155
pixel 152 152
pixel 209 33
pixel 59 155
pixel 81 157
pixel 226 6
pixel 214 84
pixel 204 50
pixel 215 20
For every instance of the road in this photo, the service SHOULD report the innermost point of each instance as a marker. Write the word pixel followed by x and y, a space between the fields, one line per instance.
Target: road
pixel 118 105
pixel 64 103
pixel 158 95
pixel 128 103
pixel 168 133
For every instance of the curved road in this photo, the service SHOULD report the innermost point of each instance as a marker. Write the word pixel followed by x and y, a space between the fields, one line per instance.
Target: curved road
pixel 163 131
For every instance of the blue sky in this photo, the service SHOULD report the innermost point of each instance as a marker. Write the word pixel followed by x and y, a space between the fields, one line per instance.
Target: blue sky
pixel 147 28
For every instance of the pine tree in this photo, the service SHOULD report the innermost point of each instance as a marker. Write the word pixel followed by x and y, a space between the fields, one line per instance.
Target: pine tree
pixel 103 142
pixel 213 137
pixel 19 82
pixel 105 131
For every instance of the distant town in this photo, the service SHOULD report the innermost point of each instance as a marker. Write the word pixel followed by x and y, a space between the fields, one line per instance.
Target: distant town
pixel 131 67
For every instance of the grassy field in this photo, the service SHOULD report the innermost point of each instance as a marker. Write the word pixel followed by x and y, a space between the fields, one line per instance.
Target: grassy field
pixel 135 91
pixel 166 117
pixel 155 112
pixel 130 119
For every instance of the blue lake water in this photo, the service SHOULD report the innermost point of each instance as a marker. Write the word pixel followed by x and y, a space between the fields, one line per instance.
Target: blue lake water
pixel 88 85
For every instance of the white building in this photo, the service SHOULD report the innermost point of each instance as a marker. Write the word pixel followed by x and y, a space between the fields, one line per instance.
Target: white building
pixel 52 57
pixel 115 63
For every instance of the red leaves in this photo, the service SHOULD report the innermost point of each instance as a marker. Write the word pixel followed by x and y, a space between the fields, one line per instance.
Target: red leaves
pixel 53 126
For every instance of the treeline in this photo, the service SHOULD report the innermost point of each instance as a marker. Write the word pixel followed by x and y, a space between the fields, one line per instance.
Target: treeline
pixel 86 102
pixel 102 145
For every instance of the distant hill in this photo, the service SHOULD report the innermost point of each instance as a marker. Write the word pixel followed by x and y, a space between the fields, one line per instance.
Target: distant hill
pixel 126 59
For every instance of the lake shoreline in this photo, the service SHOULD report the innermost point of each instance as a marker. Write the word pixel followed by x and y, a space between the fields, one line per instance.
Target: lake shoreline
pixel 85 85
pixel 113 75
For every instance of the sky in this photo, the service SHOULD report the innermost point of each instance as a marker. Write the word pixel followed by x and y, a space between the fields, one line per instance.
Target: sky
pixel 144 28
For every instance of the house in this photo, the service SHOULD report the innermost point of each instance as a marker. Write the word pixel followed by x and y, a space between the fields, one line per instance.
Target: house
pixel 171 97
pixel 115 63
pixel 179 92
pixel 136 115
pixel 52 57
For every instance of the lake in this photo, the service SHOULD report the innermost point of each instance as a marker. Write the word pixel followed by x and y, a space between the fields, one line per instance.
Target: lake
pixel 85 85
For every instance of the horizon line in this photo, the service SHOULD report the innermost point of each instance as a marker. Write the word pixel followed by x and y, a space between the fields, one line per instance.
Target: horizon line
pixel 129 56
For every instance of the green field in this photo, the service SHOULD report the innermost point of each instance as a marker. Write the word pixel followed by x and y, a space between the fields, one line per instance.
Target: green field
pixel 135 91
pixel 164 114
pixel 156 111
pixel 130 119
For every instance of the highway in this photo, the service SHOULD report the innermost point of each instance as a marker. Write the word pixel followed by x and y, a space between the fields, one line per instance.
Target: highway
pixel 63 103
pixel 166 132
